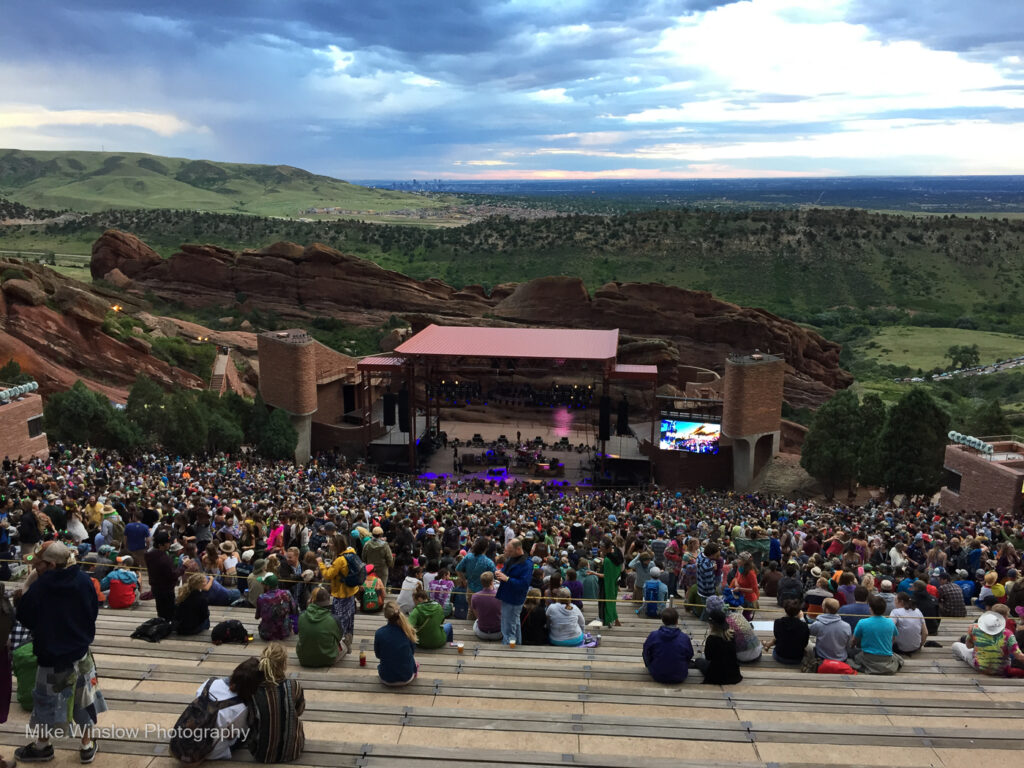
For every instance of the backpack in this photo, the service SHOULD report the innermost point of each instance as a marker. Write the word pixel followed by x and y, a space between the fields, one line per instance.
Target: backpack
pixel 117 532
pixel 194 737
pixel 371 597
pixel 356 570
pixel 153 631
pixel 833 667
pixel 230 631
pixel 651 595
pixel 24 665
pixel 6 617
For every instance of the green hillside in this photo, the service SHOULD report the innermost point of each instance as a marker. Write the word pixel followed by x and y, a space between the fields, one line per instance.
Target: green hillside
pixel 96 181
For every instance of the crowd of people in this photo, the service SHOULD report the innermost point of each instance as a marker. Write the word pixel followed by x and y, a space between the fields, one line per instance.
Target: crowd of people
pixel 303 549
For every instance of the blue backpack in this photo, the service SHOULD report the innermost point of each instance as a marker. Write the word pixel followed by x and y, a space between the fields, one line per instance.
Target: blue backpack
pixel 652 595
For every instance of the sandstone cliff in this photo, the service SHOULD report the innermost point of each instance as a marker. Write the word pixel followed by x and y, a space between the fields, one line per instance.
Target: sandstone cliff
pixel 659 324
pixel 51 326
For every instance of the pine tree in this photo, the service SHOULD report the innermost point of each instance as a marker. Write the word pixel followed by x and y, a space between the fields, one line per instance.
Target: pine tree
pixel 831 448
pixel 869 458
pixel 913 445
pixel 279 437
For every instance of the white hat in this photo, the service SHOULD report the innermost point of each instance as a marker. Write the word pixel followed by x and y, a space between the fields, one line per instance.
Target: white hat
pixel 247 555
pixel 991 623
pixel 655 572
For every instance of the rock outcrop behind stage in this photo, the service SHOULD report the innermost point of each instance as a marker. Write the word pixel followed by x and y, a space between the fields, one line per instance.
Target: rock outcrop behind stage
pixel 659 324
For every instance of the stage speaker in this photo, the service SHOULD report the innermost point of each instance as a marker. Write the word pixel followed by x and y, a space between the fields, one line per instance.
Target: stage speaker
pixel 389 409
pixel 622 421
pixel 604 419
pixel 403 410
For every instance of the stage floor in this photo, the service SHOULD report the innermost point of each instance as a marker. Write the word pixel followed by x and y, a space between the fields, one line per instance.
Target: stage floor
pixel 577 465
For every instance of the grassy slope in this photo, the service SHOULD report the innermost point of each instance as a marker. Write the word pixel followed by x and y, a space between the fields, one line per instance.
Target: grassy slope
pixel 94 181
pixel 925 347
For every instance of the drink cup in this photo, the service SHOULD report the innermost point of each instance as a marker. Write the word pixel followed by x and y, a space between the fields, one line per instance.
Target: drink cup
pixel 461 647
pixel 512 644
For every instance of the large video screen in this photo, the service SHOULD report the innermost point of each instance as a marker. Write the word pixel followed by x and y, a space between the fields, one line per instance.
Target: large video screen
pixel 690 436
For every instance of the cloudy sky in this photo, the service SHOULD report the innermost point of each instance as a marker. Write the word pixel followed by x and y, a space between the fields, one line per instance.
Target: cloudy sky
pixel 388 89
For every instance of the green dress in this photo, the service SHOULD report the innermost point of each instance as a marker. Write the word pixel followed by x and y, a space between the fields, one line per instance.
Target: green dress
pixel 610 573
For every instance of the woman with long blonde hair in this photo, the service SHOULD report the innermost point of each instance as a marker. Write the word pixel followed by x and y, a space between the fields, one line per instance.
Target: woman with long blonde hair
pixel 394 645
pixel 191 609
pixel 276 734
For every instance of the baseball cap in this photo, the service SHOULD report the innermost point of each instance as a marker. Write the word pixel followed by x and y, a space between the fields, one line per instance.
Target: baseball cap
pixel 56 553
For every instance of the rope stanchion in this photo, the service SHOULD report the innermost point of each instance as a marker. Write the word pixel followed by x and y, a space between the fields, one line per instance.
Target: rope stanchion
pixel 617 601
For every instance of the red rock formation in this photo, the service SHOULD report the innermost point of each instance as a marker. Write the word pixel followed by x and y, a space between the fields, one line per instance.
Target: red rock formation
pixel 119 250
pixel 299 283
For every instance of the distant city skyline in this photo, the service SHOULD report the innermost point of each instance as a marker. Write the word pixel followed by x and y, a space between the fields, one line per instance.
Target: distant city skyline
pixel 524 89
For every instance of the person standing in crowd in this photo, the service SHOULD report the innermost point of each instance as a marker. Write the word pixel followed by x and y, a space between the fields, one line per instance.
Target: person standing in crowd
pixel 344 604
pixel 66 681
pixel 377 552
pixel 515 581
pixel 473 565
pixel 611 570
pixel 136 537
pixel 668 651
pixel 162 578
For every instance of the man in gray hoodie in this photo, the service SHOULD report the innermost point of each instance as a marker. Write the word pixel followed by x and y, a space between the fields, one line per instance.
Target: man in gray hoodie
pixel 831 632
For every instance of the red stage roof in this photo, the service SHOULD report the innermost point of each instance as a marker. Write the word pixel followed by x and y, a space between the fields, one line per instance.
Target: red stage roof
pixel 546 343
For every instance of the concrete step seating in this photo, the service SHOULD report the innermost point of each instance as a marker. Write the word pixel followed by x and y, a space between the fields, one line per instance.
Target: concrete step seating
pixel 544 706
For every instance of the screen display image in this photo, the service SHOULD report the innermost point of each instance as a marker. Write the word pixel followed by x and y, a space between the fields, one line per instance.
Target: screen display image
pixel 690 436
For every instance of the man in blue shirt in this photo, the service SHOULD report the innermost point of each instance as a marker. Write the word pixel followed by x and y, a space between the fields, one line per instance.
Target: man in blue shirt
pixel 873 639
pixel 853 612
pixel 136 536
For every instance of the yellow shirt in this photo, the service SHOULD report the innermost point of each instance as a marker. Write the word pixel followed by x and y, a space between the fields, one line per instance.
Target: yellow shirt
pixel 336 572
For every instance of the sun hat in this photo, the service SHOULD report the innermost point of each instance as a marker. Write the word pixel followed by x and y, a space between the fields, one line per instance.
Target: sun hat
pixel 228 547
pixel 991 623
pixel 175 547
pixel 815 571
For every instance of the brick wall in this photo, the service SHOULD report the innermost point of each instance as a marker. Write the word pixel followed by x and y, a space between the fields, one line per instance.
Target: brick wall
pixel 288 371
pixel 14 439
pixel 984 484
pixel 752 397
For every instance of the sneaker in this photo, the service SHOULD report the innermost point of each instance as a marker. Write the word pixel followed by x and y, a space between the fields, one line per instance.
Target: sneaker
pixel 87 754
pixel 30 753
